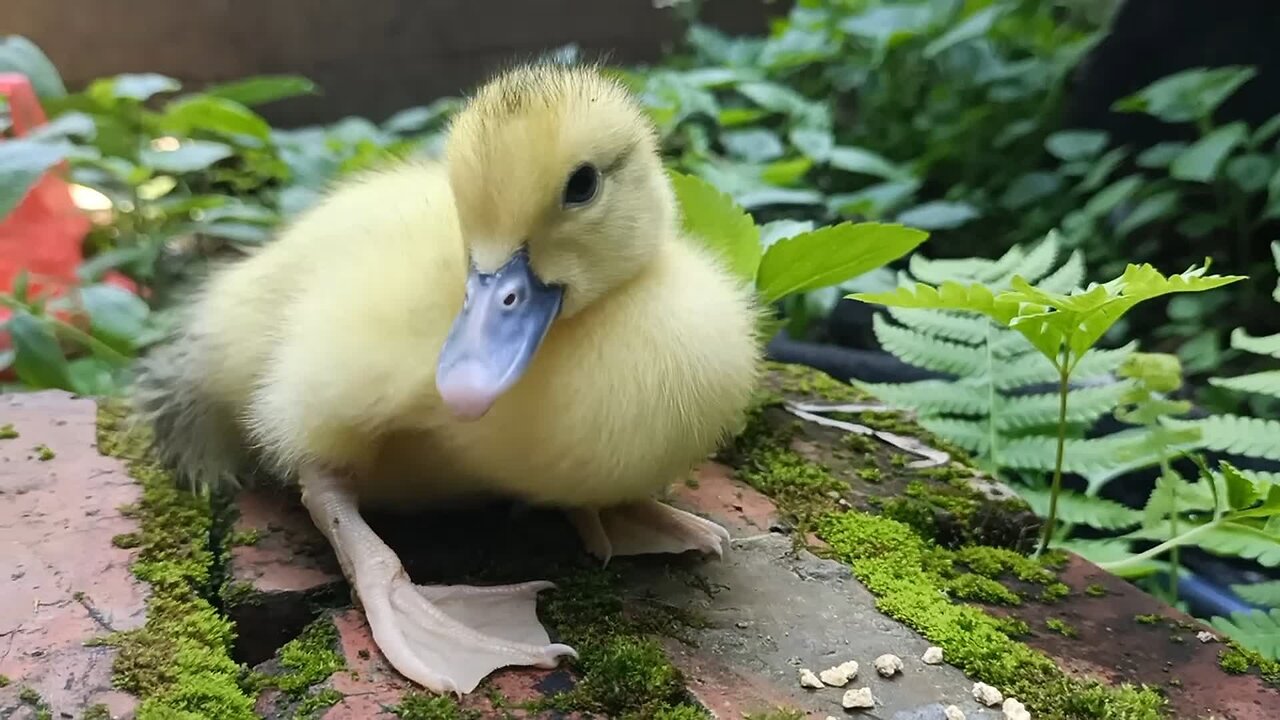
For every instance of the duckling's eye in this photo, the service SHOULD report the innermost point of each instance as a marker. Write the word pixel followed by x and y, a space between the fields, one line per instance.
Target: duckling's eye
pixel 582 186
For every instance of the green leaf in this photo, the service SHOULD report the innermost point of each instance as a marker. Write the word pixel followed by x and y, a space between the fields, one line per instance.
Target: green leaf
pixel 20 55
pixel 1158 156
pixel 22 163
pixel 1260 593
pixel 191 156
pixel 858 160
pixel 753 144
pixel 1236 434
pixel 928 352
pixel 1241 493
pixel 1266 382
pixel 38 359
pixel 832 255
pixel 932 397
pixel 816 143
pixel 1259 345
pixel 1030 188
pixel 1155 207
pixel 1200 162
pixel 1243 541
pixel 1070 145
pixel 974 26
pixel 1078 509
pixel 938 215
pixel 713 217
pixel 213 114
pixel 1085 405
pixel 1250 172
pixel 91 376
pixel 263 89
pixel 131 86
pixel 1189 95
pixel 1256 630
pixel 115 312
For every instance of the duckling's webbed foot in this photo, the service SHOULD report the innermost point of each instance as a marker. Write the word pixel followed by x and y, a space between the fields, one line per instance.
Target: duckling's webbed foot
pixel 648 527
pixel 445 638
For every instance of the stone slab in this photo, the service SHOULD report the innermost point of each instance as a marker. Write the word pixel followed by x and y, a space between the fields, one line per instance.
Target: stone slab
pixel 64 582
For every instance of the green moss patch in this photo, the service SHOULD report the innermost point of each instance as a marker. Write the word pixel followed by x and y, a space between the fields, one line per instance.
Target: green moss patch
pixel 8 432
pixel 179 663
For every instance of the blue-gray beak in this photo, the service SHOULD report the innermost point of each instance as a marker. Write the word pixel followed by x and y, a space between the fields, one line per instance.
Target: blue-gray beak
pixel 503 321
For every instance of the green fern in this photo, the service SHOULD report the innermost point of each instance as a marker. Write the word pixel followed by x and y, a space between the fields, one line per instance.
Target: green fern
pixel 1263 593
pixel 1257 630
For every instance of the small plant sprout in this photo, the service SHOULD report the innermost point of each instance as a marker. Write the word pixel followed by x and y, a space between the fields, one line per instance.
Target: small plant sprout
pixel 1063 327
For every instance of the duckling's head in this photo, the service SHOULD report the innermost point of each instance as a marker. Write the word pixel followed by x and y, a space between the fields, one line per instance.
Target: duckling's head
pixel 561 198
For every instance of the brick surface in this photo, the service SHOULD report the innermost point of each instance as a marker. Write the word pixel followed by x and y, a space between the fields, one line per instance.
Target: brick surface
pixel 64 582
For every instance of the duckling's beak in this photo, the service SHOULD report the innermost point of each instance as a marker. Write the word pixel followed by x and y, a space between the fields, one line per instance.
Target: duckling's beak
pixel 503 321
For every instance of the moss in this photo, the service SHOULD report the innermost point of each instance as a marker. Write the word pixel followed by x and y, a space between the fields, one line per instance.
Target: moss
pixel 975 587
pixel 421 706
pixel 96 712
pixel 29 695
pixel 870 474
pixel 1237 659
pixel 1095 590
pixel 1148 619
pixel 801 380
pixel 1061 627
pixel 8 432
pixel 1013 627
pixel 314 705
pixel 44 453
pixel 308 659
pixel 248 536
pixel 4 681
pixel 1054 592
pixel 779 714
pixel 179 663
pixel 993 562
pixel 238 592
pixel 127 540
pixel 1233 661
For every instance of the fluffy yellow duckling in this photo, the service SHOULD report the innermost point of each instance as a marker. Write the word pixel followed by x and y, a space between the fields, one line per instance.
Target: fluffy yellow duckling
pixel 523 319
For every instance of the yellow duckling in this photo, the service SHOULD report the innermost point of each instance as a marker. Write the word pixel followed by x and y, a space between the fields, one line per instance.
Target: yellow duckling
pixel 524 319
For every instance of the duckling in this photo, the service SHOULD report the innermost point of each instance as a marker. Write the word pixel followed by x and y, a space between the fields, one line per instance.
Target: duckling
pixel 522 317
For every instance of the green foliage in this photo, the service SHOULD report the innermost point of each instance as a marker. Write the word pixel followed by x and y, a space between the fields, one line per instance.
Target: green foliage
pixel 1257 630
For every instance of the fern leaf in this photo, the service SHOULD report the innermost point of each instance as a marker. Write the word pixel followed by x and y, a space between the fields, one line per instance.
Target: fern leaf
pixel 1256 344
pixel 1081 456
pixel 1033 265
pixel 1260 383
pixel 970 329
pixel 1107 550
pixel 1066 278
pixel 1260 593
pixel 932 397
pixel 923 351
pixel 1257 630
pixel 972 435
pixel 1030 369
pixel 1244 541
pixel 1084 405
pixel 1097 363
pixel 1081 509
pixel 936 272
pixel 1238 434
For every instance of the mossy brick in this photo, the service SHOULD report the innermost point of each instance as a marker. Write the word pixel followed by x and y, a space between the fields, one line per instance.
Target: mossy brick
pixel 64 583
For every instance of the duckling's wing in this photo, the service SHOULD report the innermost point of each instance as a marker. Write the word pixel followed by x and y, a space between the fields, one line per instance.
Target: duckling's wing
pixel 446 638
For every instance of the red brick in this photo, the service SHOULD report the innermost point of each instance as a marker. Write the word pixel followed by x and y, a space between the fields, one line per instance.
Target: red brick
pixel 65 582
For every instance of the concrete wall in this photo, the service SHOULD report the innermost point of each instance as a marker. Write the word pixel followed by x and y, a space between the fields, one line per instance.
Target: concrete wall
pixel 371 57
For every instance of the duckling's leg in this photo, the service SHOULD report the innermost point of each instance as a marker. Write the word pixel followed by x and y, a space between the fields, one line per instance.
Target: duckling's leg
pixel 446 638
pixel 647 527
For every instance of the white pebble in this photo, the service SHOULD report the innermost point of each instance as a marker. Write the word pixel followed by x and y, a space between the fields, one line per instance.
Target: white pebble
pixel 840 675
pixel 859 698
pixel 951 712
pixel 809 680
pixel 1014 710
pixel 932 656
pixel 887 665
pixel 1205 636
pixel 987 695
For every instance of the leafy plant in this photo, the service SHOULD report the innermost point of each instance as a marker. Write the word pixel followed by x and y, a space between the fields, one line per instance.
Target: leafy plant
pixel 1063 327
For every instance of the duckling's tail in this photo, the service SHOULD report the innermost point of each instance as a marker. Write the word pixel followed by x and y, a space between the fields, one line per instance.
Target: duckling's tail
pixel 192 434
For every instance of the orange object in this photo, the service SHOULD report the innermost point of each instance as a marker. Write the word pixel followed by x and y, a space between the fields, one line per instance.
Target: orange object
pixel 44 234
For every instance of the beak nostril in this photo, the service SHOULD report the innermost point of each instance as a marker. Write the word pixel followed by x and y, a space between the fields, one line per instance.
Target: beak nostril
pixel 509 300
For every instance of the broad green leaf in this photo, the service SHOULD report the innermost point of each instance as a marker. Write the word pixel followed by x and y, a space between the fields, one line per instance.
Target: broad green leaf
pixel 263 89
pixel 832 255
pixel 874 201
pixel 1069 145
pixel 884 24
pixel 38 359
pixel 972 27
pixel 1030 188
pixel 131 86
pixel 938 215
pixel 1260 593
pixel 1200 162
pixel 785 172
pixel 1158 156
pixel 816 143
pixel 753 144
pixel 22 163
pixel 1155 207
pixel 713 217
pixel 1189 95
pixel 1257 630
pixel 20 55
pixel 213 114
pixel 191 155
pixel 1112 195
pixel 1250 172
pixel 91 376
pixel 858 160
pixel 114 312
pixel 949 295
pixel 1241 493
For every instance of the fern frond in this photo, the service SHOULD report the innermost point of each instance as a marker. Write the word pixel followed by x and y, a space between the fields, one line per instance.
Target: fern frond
pixel 972 435
pixel 1256 344
pixel 1107 550
pixel 1226 538
pixel 1097 363
pixel 1066 278
pixel 1260 593
pixel 1033 265
pixel 1084 405
pixel 968 328
pixel 923 351
pixel 1237 434
pixel 1257 630
pixel 1081 456
pixel 1033 368
pixel 1080 509
pixel 932 397
pixel 1260 383
pixel 936 272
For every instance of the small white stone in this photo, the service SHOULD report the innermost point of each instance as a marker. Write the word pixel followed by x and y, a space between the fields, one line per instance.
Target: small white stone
pixel 809 680
pixel 858 698
pixel 932 656
pixel 840 675
pixel 987 695
pixel 887 665
pixel 951 712
pixel 1205 636
pixel 1014 710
